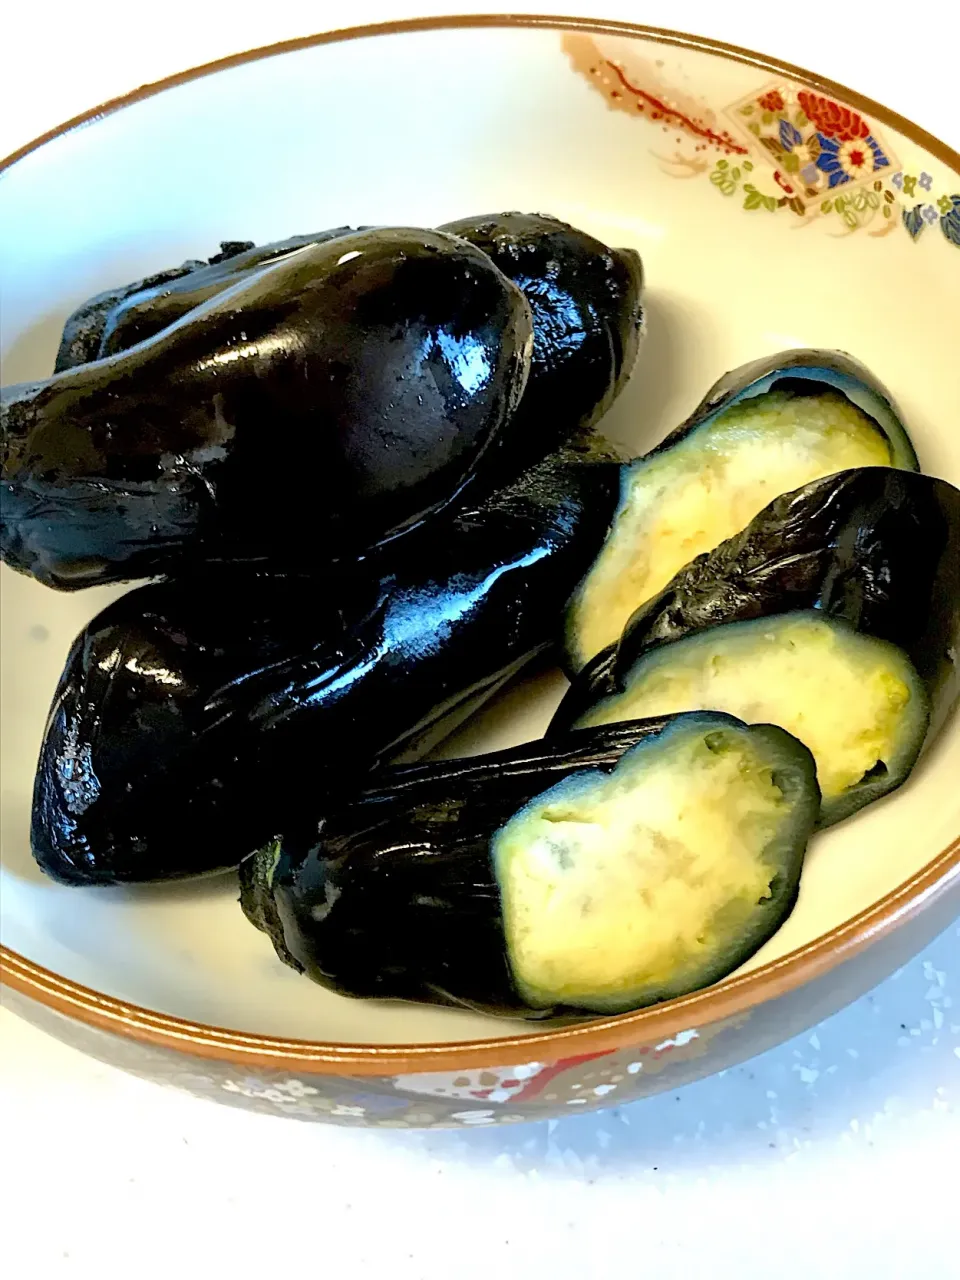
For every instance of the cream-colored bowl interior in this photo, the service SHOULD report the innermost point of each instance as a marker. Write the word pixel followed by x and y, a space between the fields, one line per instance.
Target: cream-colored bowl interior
pixel 421 128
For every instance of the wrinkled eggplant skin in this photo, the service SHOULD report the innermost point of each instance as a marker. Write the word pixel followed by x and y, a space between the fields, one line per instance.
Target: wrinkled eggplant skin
pixel 587 319
pixel 146 307
pixel 83 328
pixel 319 406
pixel 193 714
pixel 804 370
pixel 877 547
pixel 393 895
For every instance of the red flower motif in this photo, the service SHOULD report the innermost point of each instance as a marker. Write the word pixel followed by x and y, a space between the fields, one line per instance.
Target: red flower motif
pixel 772 101
pixel 832 120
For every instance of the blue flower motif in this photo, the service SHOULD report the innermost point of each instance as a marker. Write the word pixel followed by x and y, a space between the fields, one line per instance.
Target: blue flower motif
pixel 828 161
pixel 842 161
pixel 897 181
pixel 926 181
pixel 789 136
pixel 929 213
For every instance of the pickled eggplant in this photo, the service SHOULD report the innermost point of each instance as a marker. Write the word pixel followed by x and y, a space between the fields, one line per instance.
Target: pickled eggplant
pixel 597 873
pixel 857 702
pixel 318 407
pixel 192 715
pixel 587 319
pixel 877 547
pixel 122 317
pixel 584 296
pixel 763 430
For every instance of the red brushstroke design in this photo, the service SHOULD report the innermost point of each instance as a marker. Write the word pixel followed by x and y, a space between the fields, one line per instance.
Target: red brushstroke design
pixel 699 130
pixel 779 180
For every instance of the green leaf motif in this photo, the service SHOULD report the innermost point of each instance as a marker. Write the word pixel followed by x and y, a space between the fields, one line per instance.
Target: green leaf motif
pixel 747 110
pixel 791 162
pixel 801 120
pixel 873 200
pixel 735 174
pixel 723 164
pixel 753 201
pixel 754 127
pixel 850 218
pixel 826 206
pixel 767 117
pixel 748 165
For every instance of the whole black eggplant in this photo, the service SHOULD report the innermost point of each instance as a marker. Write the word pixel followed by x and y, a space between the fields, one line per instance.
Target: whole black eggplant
pixel 192 715
pixel 317 407
pixel 597 872
pixel 585 298
pixel 587 319
pixel 120 318
pixel 876 548
pixel 83 328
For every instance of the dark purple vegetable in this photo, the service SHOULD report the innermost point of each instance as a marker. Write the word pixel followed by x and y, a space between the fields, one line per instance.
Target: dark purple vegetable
pixel 193 715
pixel 876 549
pixel 587 319
pixel 318 407
pixel 764 429
pixel 121 317
pixel 535 881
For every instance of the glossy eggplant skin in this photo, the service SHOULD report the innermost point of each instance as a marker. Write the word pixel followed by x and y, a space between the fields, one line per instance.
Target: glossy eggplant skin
pixel 585 299
pixel 805 369
pixel 405 866
pixel 400 892
pixel 318 407
pixel 877 547
pixel 192 714
pixel 121 317
pixel 587 318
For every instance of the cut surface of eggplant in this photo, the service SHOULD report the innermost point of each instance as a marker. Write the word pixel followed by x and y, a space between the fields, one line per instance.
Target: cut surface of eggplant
pixel 877 547
pixel 191 715
pixel 855 701
pixel 320 406
pixel 663 856
pixel 770 429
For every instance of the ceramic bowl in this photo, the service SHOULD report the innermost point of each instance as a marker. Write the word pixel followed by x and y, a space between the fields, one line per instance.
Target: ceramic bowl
pixel 772 210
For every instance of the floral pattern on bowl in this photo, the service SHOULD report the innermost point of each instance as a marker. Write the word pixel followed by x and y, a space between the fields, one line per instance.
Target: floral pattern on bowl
pixel 785 148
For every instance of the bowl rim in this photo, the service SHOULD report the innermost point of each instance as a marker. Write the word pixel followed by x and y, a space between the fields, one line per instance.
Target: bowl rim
pixel 729 1000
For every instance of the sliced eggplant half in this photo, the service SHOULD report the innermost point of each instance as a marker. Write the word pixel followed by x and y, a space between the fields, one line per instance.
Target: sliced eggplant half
pixel 857 702
pixel 663 855
pixel 877 547
pixel 192 714
pixel 763 430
